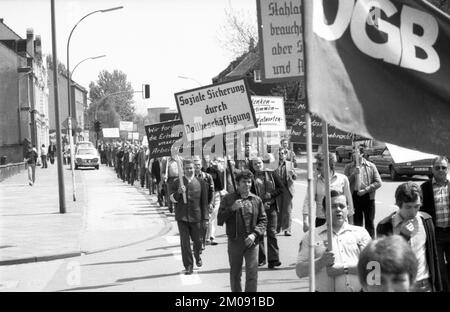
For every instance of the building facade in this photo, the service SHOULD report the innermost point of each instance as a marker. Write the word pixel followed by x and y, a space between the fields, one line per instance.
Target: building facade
pixel 23 94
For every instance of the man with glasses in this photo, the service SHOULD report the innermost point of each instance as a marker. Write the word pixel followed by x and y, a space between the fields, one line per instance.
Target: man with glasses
pixel 436 202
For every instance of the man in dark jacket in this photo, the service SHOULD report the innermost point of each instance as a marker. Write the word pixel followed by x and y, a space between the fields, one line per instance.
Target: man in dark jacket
pixel 190 214
pixel 418 230
pixel 436 202
pixel 246 221
pixel 268 186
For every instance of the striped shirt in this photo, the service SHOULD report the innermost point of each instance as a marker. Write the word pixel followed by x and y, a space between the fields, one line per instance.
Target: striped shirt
pixel 441 202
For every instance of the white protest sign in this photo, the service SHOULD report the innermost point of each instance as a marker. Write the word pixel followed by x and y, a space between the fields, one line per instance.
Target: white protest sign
pixel 269 112
pixel 216 109
pixel 135 135
pixel 130 135
pixel 281 39
pixel 126 126
pixel 111 133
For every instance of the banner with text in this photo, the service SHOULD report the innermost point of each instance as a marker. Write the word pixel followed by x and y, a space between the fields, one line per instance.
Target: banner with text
pixel 111 133
pixel 161 137
pixel 126 126
pixel 269 112
pixel 216 109
pixel 281 39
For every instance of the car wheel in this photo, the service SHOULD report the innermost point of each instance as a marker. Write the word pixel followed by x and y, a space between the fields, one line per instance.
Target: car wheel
pixel 96 167
pixel 394 175
pixel 76 167
pixel 339 159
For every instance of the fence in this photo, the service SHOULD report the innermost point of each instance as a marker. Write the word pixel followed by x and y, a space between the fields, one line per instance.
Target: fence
pixel 9 170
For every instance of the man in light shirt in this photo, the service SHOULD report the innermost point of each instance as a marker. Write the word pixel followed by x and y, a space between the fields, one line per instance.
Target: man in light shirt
pixel 338 182
pixel 336 270
pixel 418 230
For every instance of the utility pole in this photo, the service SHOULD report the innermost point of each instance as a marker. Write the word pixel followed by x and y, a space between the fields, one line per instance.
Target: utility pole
pixel 59 162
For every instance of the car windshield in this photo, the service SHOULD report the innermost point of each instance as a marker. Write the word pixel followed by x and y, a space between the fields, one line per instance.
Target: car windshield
pixel 87 152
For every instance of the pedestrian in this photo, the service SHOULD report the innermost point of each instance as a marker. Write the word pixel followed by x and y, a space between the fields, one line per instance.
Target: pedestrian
pixel 170 170
pixel 208 180
pixel 141 165
pixel 190 215
pixel 436 202
pixel 388 264
pixel 290 155
pixel 268 186
pixel 51 152
pixel 417 228
pixel 156 179
pixel 336 269
pixel 364 181
pixel 246 221
pixel 338 182
pixel 31 160
pixel 246 163
pixel 44 156
pixel 217 172
pixel 287 174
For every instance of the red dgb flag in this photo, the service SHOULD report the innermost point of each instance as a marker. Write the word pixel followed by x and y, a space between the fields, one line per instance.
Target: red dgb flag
pixel 381 68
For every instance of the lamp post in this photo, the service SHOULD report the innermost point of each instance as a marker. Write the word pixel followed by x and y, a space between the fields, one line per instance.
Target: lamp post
pixel 190 78
pixel 69 97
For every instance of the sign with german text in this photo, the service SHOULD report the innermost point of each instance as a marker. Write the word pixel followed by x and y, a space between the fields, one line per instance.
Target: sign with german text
pixel 111 133
pixel 126 125
pixel 135 135
pixel 281 39
pixel 269 112
pixel 216 109
pixel 161 137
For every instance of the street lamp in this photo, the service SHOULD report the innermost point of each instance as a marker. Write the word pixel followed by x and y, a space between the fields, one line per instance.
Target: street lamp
pixel 86 59
pixel 190 78
pixel 69 119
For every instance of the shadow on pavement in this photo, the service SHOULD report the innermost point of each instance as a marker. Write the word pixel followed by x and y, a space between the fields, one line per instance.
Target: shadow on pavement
pixel 89 287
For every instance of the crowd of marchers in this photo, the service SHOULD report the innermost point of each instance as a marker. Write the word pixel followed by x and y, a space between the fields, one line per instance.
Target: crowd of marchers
pixel 409 250
pixel 255 204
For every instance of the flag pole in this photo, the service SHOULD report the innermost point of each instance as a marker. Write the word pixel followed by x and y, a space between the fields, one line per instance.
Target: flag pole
pixel 326 169
pixel 312 212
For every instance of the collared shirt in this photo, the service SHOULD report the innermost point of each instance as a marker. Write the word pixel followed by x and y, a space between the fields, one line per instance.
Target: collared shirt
pixel 369 177
pixel 417 241
pixel 441 203
pixel 338 182
pixel 347 246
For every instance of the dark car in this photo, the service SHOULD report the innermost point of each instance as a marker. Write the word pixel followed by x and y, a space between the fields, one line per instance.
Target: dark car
pixel 385 164
pixel 343 152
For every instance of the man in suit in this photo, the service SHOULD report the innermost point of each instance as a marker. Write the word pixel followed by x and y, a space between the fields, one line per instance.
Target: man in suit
pixel 436 202
pixel 190 215
pixel 268 186
pixel 287 174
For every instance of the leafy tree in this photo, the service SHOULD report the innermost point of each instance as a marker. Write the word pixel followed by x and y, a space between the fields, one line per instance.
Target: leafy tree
pixel 111 99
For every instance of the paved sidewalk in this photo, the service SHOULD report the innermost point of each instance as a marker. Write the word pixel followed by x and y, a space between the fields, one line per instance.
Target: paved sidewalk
pixel 108 214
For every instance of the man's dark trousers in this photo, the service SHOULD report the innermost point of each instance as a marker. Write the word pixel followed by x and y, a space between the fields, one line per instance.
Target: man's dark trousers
pixel 236 252
pixel 188 231
pixel 364 210
pixel 272 244
pixel 443 249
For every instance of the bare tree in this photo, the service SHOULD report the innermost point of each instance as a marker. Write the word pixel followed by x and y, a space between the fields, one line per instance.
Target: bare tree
pixel 239 32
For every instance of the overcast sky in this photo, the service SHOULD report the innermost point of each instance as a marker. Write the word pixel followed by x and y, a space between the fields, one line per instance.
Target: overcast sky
pixel 152 41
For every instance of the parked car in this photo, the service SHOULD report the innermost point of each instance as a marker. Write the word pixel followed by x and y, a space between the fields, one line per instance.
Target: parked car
pixel 87 157
pixel 84 144
pixel 344 152
pixel 385 164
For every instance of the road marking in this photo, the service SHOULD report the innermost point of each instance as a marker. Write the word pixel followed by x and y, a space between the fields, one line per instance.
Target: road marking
pixel 297 220
pixel 193 279
pixel 177 254
pixel 378 202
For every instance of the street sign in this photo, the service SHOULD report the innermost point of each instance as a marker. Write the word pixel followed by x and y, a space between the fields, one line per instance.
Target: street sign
pixel 281 39
pixel 216 109
pixel 65 123
pixel 126 125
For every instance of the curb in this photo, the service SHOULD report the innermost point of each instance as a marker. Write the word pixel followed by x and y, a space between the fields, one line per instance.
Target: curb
pixel 40 258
